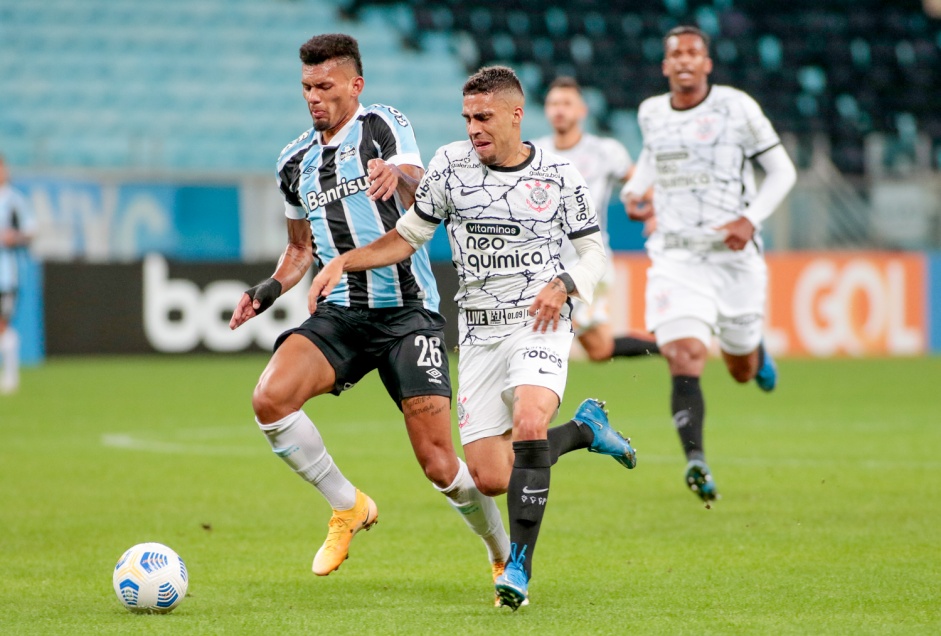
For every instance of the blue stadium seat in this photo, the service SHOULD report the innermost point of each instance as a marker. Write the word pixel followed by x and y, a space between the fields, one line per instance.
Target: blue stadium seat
pixel 595 25
pixel 770 52
pixel 580 50
pixel 557 22
pixel 186 71
pixel 812 79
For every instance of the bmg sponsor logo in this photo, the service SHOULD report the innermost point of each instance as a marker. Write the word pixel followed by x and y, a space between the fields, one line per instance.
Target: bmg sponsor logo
pixel 581 203
pixel 179 316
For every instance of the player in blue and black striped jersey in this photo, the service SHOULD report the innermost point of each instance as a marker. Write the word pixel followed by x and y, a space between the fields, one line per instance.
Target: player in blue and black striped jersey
pixel 346 182
pixel 17 228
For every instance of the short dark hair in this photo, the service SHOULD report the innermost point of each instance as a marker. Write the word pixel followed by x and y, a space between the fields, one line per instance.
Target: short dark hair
pixel 493 79
pixel 566 81
pixel 331 46
pixel 686 29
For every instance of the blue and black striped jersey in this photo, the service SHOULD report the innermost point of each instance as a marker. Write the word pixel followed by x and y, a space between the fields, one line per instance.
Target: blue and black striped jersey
pixel 326 184
pixel 15 214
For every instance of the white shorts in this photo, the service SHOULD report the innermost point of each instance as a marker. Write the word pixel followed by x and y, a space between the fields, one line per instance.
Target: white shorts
pixel 487 375
pixel 586 317
pixel 728 297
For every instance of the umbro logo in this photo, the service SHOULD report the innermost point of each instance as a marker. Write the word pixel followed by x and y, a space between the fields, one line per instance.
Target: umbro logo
pixel 544 372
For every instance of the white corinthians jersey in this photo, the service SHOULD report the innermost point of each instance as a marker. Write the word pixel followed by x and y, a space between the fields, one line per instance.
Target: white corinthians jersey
pixel 603 162
pixel 704 176
pixel 505 226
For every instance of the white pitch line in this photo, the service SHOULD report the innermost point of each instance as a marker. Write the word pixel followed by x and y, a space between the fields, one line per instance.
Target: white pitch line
pixel 129 442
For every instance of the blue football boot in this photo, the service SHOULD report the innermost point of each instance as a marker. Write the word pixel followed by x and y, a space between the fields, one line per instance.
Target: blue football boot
pixel 607 441
pixel 699 480
pixel 513 585
pixel 767 376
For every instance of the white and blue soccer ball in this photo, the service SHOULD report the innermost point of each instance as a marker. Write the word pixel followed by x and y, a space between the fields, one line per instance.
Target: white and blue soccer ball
pixel 150 578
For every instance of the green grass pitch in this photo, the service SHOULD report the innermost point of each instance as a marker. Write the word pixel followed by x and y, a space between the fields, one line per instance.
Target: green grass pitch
pixel 828 522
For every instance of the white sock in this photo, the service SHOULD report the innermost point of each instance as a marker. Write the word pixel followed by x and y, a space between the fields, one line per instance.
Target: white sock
pixel 10 352
pixel 479 512
pixel 296 440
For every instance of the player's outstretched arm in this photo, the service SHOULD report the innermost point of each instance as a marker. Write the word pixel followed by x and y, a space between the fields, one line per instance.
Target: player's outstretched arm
pixel 293 264
pixel 388 249
pixel 636 195
pixel 580 281
pixel 386 179
pixel 736 234
pixel 14 238
pixel 780 176
pixel 547 306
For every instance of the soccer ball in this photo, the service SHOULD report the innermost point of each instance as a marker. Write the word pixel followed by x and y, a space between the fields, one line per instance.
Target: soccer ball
pixel 150 578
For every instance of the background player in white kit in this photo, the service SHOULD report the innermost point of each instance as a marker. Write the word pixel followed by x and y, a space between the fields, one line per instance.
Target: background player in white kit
pixel 708 274
pixel 604 163
pixel 507 205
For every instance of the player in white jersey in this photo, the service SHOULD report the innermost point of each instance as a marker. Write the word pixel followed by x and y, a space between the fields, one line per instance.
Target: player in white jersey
pixel 349 177
pixel 604 163
pixel 507 205
pixel 708 274
pixel 17 227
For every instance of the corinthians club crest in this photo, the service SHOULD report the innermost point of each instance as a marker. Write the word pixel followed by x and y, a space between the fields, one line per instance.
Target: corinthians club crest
pixel 705 129
pixel 538 198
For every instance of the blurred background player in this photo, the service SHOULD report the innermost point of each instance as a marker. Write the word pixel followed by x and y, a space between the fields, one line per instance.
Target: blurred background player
pixel 17 228
pixel 346 181
pixel 513 302
pixel 708 274
pixel 604 163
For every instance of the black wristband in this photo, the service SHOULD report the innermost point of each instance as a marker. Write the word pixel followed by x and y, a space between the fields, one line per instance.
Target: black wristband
pixel 567 280
pixel 265 292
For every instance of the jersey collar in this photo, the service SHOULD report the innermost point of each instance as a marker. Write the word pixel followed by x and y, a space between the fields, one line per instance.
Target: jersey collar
pixel 519 166
pixel 696 105
pixel 343 132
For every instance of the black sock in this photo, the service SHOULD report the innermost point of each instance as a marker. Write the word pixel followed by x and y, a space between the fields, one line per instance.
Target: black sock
pixel 629 347
pixel 526 497
pixel 689 411
pixel 568 437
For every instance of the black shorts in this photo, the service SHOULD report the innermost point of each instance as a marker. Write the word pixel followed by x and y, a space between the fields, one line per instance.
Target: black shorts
pixel 406 345
pixel 7 303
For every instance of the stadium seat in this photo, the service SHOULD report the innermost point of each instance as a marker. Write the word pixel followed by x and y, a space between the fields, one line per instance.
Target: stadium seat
pixel 557 22
pixel 803 61
pixel 770 53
